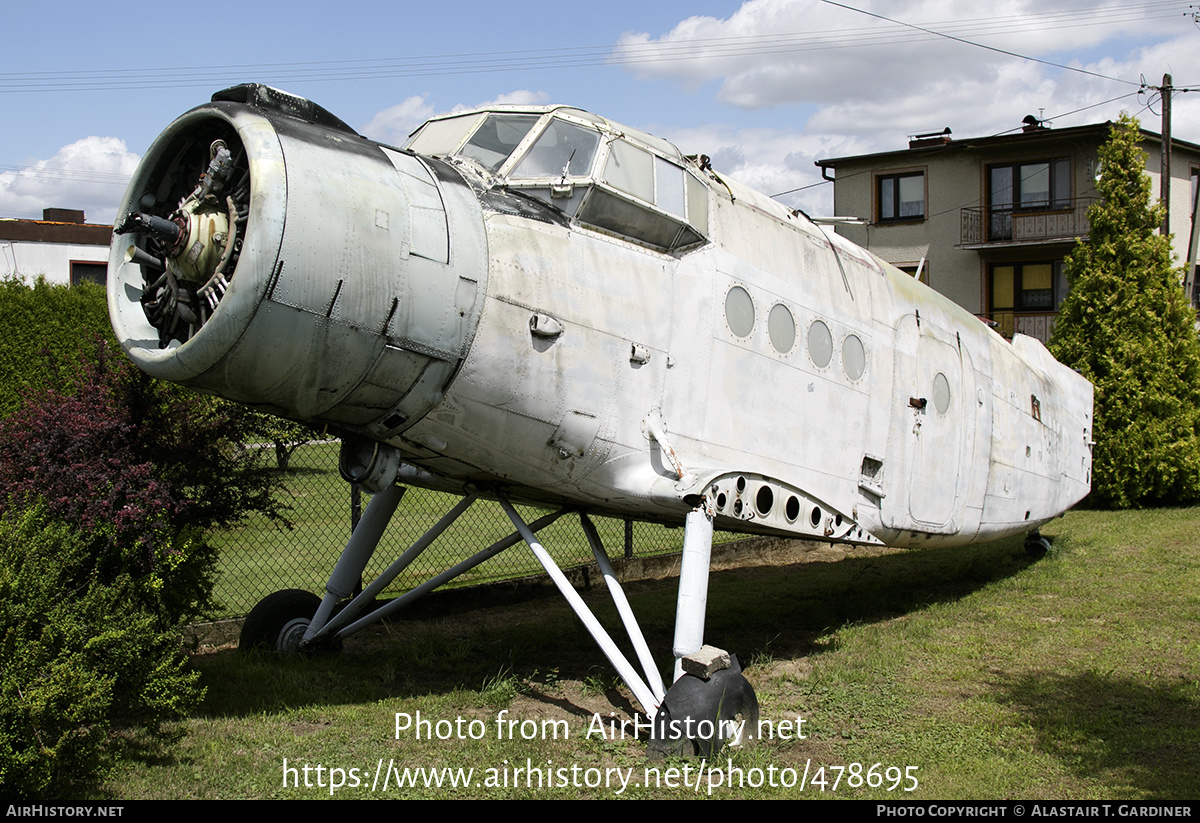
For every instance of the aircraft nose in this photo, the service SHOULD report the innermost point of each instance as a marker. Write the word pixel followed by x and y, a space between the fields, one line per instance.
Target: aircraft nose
pixel 297 267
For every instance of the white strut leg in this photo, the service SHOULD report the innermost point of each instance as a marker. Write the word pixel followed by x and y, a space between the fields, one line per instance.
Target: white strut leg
pixel 641 692
pixel 358 551
pixel 693 586
pixel 653 678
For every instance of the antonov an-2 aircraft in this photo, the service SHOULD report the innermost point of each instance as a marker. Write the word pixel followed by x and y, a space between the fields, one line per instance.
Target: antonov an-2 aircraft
pixel 536 304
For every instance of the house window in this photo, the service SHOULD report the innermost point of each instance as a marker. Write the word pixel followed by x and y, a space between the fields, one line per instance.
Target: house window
pixel 1026 187
pixel 917 270
pixel 901 196
pixel 1027 287
pixel 82 271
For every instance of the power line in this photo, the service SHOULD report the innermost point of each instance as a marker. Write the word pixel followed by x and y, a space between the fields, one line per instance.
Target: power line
pixel 980 45
pixel 61 173
pixel 619 54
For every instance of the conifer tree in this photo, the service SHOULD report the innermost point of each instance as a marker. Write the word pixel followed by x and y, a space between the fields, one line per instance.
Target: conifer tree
pixel 1126 326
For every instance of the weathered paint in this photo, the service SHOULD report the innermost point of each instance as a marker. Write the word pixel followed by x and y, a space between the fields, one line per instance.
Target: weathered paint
pixel 460 315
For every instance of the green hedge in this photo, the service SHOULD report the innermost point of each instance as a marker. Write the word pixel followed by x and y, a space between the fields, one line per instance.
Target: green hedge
pixel 80 661
pixel 41 329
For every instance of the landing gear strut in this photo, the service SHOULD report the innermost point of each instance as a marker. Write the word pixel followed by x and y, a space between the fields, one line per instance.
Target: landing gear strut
pixel 710 704
pixel 710 701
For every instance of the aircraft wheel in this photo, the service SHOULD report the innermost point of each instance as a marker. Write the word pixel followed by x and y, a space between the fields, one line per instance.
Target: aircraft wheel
pixel 1036 545
pixel 699 717
pixel 278 622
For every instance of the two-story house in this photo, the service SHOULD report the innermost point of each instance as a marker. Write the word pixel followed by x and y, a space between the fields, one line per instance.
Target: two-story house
pixel 989 220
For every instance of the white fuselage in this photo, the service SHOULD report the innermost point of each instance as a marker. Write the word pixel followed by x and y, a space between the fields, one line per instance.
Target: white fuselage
pixel 794 380
pixel 854 427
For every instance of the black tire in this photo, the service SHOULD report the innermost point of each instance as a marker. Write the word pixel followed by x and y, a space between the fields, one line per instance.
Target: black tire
pixel 266 621
pixel 1036 545
pixel 692 703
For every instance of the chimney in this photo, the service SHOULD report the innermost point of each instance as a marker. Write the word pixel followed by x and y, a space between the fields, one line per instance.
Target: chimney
pixel 63 216
pixel 933 138
pixel 1032 124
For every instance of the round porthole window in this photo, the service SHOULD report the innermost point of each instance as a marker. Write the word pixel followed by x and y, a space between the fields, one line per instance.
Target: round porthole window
pixel 781 327
pixel 854 357
pixel 941 393
pixel 739 311
pixel 820 344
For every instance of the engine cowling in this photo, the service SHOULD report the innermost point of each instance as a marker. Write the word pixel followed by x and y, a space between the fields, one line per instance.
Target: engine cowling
pixel 272 256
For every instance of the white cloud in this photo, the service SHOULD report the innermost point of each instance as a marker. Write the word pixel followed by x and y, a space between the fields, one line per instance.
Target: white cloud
pixel 852 84
pixel 89 174
pixel 393 125
pixel 779 52
pixel 520 97
pixel 770 160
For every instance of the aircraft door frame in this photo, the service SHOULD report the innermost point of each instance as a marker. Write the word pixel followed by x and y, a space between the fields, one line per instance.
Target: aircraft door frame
pixel 931 432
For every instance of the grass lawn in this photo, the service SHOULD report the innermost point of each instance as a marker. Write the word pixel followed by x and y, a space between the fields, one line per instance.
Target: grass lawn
pixel 976 673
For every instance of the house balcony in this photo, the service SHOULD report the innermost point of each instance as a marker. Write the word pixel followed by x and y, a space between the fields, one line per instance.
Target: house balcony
pixel 990 226
pixel 1031 324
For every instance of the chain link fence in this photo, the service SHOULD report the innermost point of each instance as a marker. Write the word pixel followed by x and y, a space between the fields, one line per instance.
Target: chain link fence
pixel 261 557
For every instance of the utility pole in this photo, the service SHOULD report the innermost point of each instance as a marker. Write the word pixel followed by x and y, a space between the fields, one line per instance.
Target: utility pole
pixel 1165 181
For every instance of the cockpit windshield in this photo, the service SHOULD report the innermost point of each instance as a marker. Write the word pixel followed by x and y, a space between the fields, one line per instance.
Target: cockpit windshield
pixel 494 141
pixel 440 138
pixel 563 150
pixel 604 177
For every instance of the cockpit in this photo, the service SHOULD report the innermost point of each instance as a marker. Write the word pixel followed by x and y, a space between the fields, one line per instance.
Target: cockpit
pixel 601 175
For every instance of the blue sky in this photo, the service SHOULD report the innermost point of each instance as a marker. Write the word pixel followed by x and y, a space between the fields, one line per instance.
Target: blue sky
pixel 764 87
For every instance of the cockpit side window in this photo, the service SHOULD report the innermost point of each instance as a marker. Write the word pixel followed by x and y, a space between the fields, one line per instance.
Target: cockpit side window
pixel 495 139
pixel 648 199
pixel 563 149
pixel 439 138
pixel 656 180
pixel 697 203
pixel 631 170
pixel 668 187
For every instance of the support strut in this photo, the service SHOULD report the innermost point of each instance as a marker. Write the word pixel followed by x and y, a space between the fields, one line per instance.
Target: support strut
pixel 653 678
pixel 692 602
pixel 324 629
pixel 355 556
pixel 710 703
pixel 337 589
pixel 641 691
